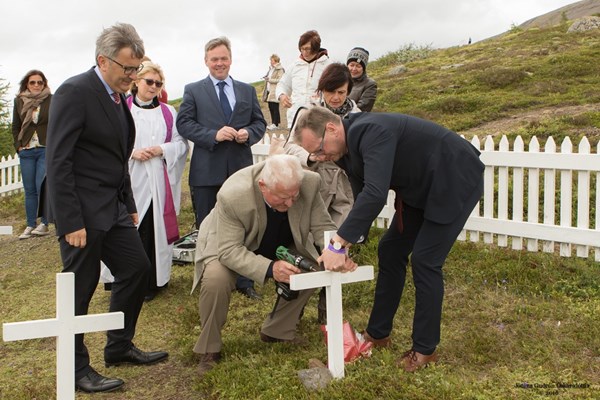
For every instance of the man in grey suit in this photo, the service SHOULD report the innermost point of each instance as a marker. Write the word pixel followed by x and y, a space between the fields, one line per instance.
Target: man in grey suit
pixel 223 118
pixel 259 208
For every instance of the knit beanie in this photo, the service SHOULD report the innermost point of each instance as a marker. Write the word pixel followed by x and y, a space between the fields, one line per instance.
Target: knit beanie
pixel 359 55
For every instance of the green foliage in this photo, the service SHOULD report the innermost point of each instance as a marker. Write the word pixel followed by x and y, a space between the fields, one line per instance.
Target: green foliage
pixel 405 54
pixel 499 77
pixel 6 139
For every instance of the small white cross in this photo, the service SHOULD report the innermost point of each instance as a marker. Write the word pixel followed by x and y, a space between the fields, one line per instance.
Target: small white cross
pixel 332 281
pixel 65 326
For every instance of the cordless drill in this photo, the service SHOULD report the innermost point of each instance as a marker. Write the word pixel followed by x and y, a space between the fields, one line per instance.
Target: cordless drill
pixel 283 289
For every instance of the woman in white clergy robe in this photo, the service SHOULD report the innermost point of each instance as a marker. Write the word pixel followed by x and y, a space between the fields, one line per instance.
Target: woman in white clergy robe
pixel 156 167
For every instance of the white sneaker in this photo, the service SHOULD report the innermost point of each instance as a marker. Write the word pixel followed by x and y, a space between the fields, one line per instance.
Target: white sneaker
pixel 26 233
pixel 41 230
pixel 271 127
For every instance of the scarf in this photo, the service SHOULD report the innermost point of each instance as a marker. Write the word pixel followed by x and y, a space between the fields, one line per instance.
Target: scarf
pixel 342 110
pixel 30 102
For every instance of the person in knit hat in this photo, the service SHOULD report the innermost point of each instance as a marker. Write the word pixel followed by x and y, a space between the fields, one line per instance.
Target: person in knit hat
pixel 364 89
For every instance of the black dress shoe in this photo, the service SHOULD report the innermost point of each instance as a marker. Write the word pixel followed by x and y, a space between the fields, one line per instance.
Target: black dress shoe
pixel 94 382
pixel 250 293
pixel 137 357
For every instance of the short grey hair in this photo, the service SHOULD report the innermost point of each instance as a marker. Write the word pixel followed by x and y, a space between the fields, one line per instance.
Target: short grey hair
pixel 315 119
pixel 216 42
pixel 117 37
pixel 282 169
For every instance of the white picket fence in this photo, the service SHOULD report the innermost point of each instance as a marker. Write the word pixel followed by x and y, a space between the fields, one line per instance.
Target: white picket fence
pixel 10 175
pixel 523 189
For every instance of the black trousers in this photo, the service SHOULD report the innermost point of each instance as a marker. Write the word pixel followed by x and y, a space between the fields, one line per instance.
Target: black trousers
pixel 274 111
pixel 429 243
pixel 121 250
pixel 146 232
pixel 205 198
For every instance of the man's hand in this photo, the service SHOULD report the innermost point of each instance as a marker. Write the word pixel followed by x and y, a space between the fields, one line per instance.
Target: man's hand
pixel 283 270
pixel 77 238
pixel 337 262
pixel 226 133
pixel 135 218
pixel 241 136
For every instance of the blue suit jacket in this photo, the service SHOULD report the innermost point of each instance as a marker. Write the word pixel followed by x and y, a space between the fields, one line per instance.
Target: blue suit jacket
pixel 200 117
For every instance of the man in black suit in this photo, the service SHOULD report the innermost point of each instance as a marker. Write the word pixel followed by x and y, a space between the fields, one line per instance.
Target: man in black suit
pixel 90 138
pixel 438 179
pixel 223 118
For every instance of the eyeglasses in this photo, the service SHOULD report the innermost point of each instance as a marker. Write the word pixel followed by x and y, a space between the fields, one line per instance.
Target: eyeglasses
pixel 151 82
pixel 127 70
pixel 320 151
pixel 32 83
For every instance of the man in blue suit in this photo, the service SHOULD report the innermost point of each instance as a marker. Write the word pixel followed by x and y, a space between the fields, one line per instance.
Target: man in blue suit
pixel 223 118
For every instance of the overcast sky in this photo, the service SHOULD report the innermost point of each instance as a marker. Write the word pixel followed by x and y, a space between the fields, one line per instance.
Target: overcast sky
pixel 58 37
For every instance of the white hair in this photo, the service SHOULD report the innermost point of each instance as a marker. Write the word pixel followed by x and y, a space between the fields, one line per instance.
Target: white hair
pixel 282 169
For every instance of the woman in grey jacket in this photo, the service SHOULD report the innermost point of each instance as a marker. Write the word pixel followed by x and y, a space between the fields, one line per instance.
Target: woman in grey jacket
pixel 364 89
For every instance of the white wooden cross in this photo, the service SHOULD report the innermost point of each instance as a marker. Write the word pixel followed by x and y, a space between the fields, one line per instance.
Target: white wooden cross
pixel 65 326
pixel 332 281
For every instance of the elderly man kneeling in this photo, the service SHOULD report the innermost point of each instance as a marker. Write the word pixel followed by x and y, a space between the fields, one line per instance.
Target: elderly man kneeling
pixel 269 204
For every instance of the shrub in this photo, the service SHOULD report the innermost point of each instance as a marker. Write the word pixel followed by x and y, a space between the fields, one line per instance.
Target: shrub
pixel 501 77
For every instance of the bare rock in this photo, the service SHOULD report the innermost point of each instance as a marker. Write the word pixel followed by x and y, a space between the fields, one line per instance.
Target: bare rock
pixel 315 379
pixel 400 69
pixel 585 24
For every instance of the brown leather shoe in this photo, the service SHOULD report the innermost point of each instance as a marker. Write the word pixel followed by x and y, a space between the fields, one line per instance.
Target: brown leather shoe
pixel 208 362
pixel 413 360
pixel 383 342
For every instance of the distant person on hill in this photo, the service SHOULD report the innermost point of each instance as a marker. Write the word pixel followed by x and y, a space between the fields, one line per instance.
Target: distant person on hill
pixel 298 86
pixel 29 126
pixel 271 80
pixel 438 179
pixel 364 90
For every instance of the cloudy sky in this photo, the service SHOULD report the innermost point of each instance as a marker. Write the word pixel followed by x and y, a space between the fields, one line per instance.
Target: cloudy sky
pixel 58 37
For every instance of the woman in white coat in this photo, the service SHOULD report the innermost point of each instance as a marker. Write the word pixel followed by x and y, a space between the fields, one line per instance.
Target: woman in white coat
pixel 156 166
pixel 298 86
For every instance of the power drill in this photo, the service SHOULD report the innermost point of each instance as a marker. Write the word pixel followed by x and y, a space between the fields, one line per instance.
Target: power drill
pixel 283 289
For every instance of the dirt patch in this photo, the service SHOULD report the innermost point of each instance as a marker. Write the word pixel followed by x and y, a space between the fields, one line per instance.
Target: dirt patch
pixel 508 124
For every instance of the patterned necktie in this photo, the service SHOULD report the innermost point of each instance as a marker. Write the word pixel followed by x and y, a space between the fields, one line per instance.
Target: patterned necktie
pixel 116 97
pixel 224 100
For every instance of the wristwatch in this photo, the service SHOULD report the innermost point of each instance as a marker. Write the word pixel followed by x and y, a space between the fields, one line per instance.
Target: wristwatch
pixel 336 245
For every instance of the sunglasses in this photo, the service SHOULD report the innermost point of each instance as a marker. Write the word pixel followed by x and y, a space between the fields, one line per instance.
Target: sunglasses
pixel 36 83
pixel 151 82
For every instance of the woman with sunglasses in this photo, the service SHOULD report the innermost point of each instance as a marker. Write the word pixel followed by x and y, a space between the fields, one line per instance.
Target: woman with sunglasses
pixel 156 166
pixel 30 122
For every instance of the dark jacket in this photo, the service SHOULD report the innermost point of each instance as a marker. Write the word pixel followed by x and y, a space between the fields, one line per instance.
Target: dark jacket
pixel 430 168
pixel 41 127
pixel 364 92
pixel 87 156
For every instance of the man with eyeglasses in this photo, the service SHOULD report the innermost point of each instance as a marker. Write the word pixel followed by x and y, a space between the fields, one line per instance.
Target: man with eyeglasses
pixel 269 204
pixel 90 139
pixel 438 180
pixel 222 117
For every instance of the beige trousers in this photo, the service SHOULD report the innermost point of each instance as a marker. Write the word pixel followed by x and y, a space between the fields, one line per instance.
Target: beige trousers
pixel 216 286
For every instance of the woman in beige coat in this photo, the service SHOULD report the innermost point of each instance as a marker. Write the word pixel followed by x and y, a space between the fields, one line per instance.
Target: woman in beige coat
pixel 271 79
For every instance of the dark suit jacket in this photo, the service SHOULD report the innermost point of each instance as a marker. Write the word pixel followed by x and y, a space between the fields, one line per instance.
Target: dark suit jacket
pixel 429 166
pixel 200 117
pixel 86 156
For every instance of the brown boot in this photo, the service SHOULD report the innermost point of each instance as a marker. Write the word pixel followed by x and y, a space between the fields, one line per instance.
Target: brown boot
pixel 413 360
pixel 208 362
pixel 383 342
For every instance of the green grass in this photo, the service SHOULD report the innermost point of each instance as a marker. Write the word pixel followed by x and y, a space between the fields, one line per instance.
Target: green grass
pixel 510 318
